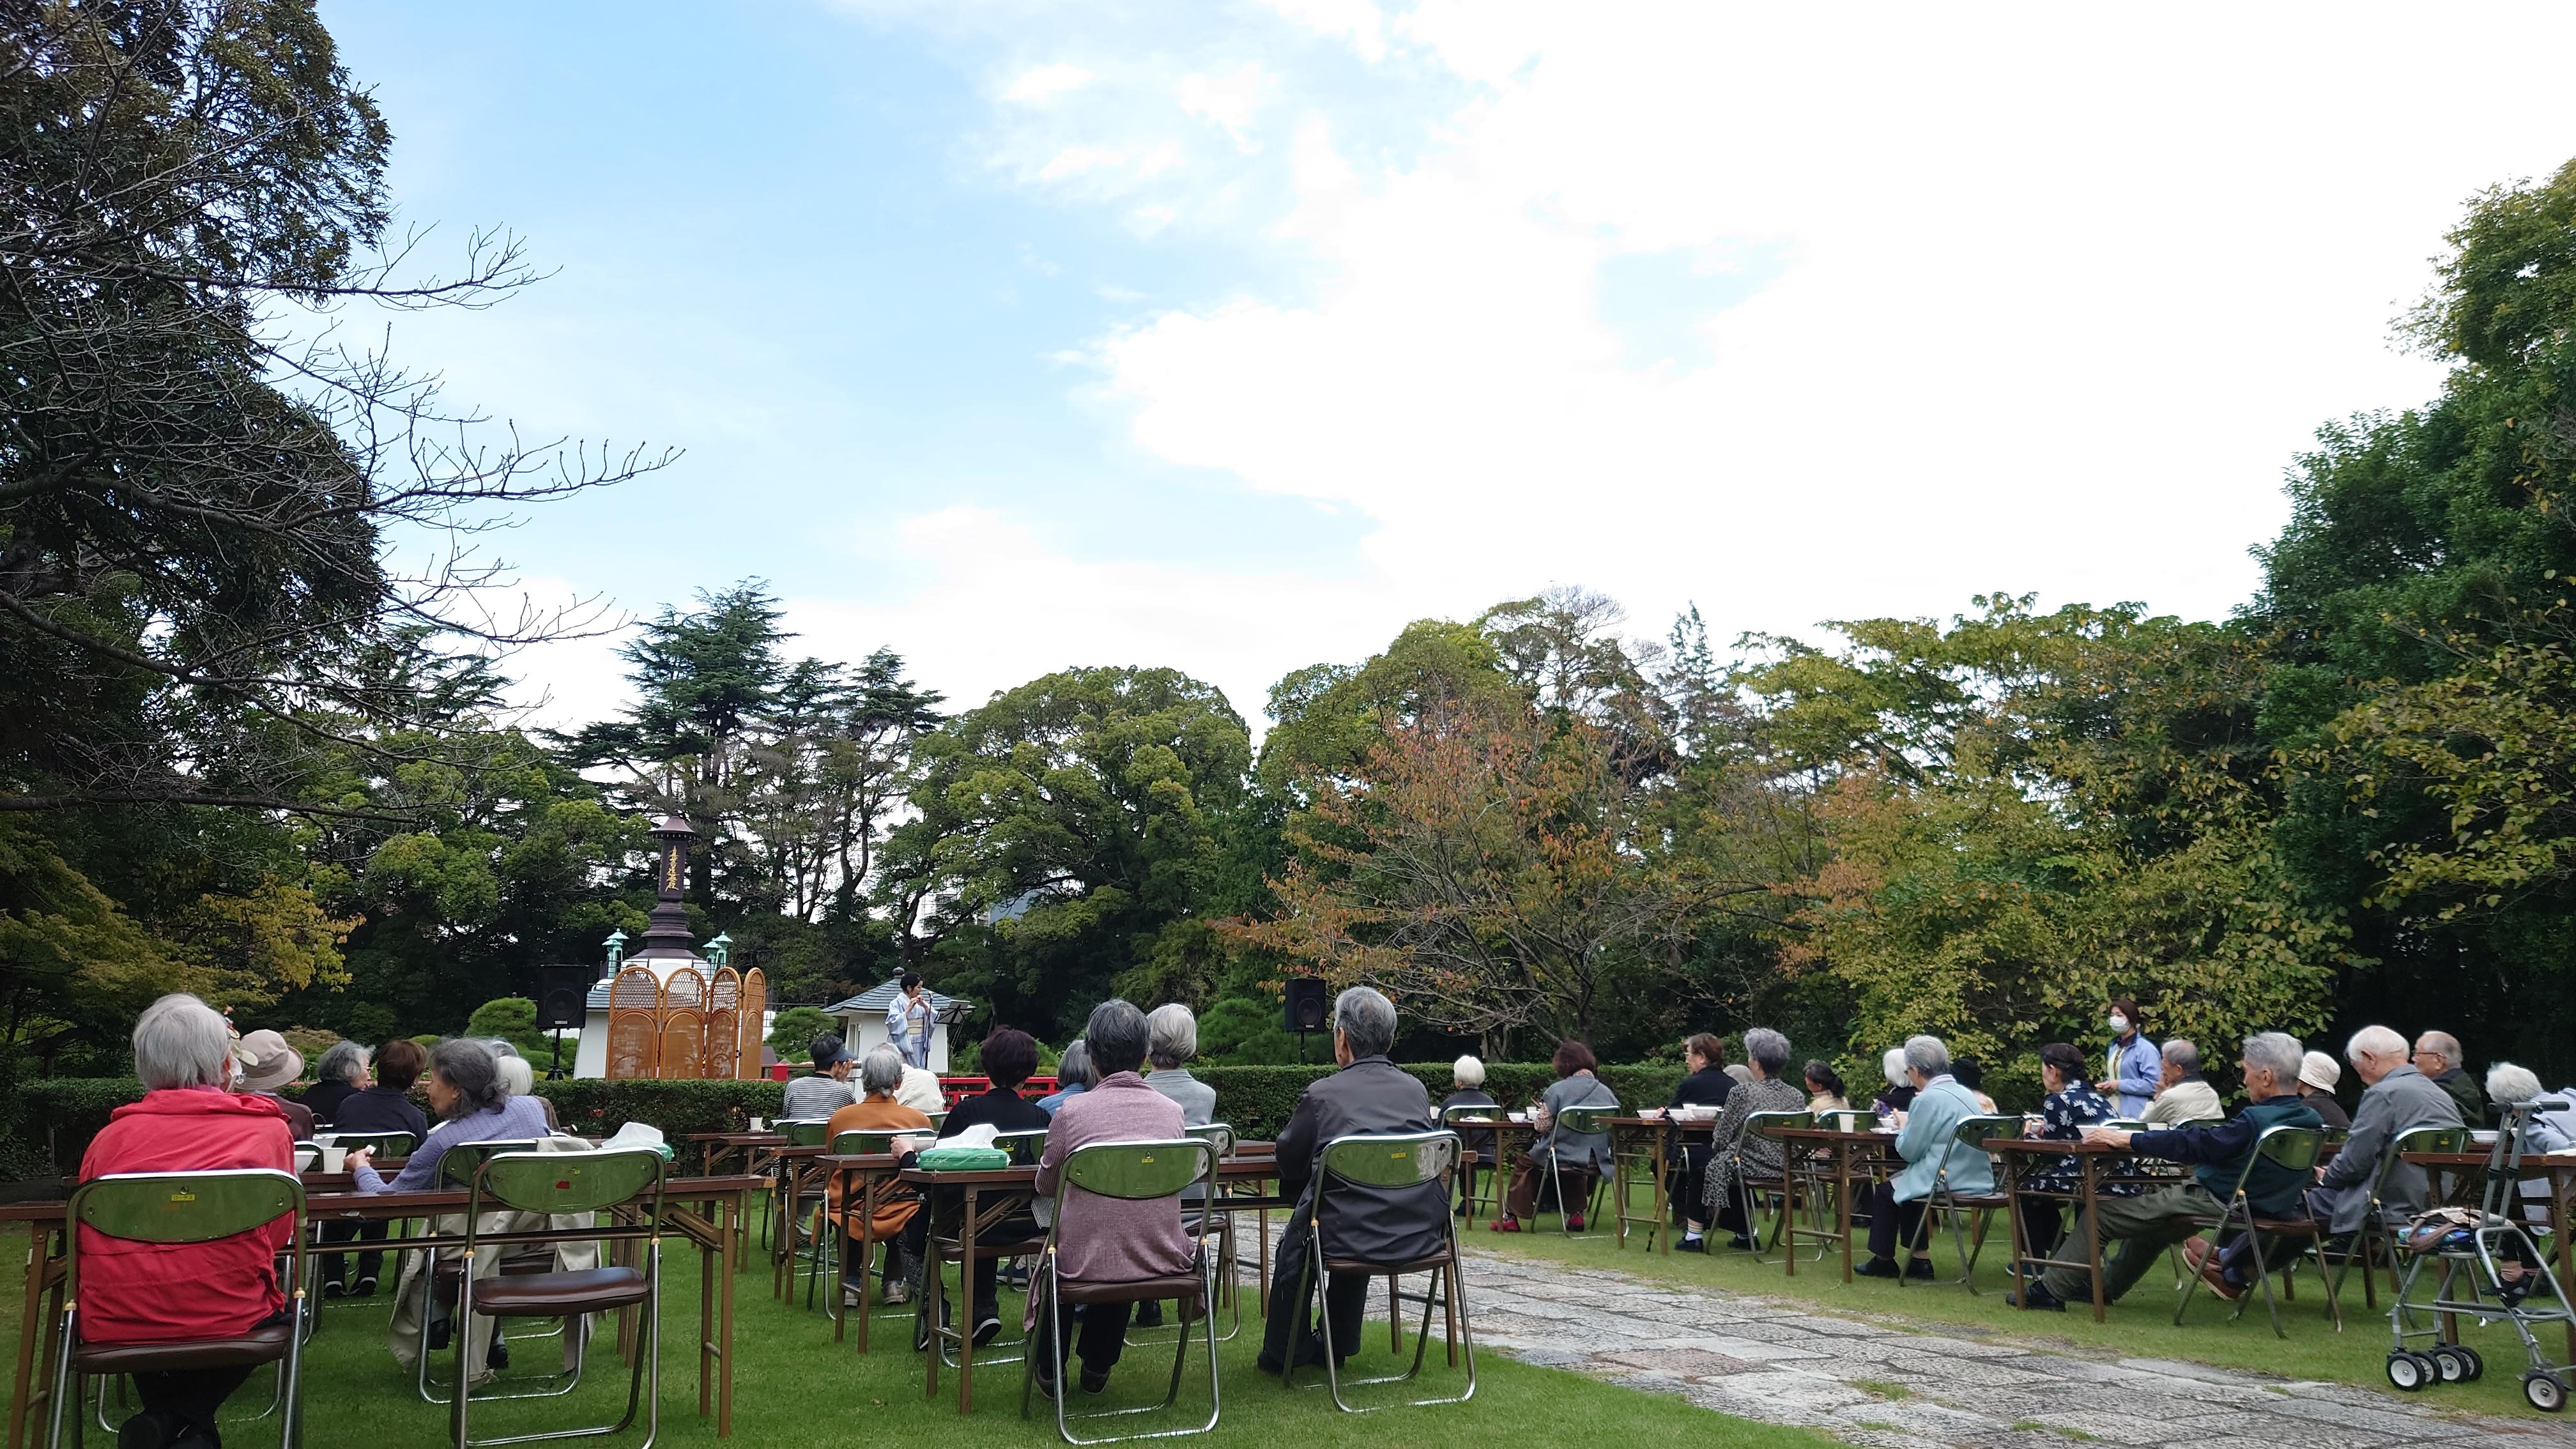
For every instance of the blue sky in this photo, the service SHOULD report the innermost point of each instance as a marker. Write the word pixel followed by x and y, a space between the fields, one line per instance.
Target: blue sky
pixel 1234 336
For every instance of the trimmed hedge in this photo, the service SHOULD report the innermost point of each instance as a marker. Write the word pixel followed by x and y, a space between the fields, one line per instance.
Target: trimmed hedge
pixel 61 1114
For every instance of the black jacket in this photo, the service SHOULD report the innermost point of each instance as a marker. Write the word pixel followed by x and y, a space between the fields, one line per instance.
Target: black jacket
pixel 1002 1108
pixel 380 1109
pixel 1706 1087
pixel 1372 1094
pixel 325 1099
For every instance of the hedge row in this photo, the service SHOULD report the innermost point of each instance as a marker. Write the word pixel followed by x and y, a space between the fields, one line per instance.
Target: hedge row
pixel 69 1111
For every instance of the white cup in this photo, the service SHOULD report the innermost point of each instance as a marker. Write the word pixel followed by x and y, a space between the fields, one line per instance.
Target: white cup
pixel 334 1157
pixel 759 1124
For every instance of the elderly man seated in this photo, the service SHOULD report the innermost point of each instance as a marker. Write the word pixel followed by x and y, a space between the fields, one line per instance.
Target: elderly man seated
pixel 2438 1057
pixel 2182 1094
pixel 1896 1206
pixel 1099 1239
pixel 1368 1094
pixel 823 1091
pixel 135 1292
pixel 2149 1223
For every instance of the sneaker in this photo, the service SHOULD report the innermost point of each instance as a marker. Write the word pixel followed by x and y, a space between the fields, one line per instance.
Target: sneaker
pixel 1574 1224
pixel 896 1294
pixel 1693 1245
pixel 2035 1294
pixel 1506 1225
pixel 364 1288
pixel 852 1294
pixel 1878 1268
pixel 331 1288
pixel 1149 1315
pixel 987 1329
pixel 1919 1269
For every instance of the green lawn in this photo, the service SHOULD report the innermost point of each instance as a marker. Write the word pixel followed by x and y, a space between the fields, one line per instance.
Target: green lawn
pixel 2139 1326
pixel 794 1386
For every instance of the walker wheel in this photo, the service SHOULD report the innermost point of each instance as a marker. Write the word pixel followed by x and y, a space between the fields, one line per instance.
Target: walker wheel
pixel 2477 1365
pixel 2544 1391
pixel 2447 1361
pixel 2410 1372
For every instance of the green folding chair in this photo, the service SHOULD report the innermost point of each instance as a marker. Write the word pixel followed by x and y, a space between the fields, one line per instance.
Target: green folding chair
pixel 168 1209
pixel 1480 1187
pixel 1948 1202
pixel 1128 1172
pixel 1581 1122
pixel 2294 1150
pixel 1767 1127
pixel 1390 1161
pixel 1846 1119
pixel 858 1142
pixel 439 1276
pixel 2373 1232
pixel 556 1184
pixel 1025 1147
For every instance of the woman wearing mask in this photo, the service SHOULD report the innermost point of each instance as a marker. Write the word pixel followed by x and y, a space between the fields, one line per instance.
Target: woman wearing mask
pixel 2135 1066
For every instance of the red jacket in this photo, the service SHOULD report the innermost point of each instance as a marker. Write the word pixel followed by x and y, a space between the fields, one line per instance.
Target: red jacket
pixel 134 1292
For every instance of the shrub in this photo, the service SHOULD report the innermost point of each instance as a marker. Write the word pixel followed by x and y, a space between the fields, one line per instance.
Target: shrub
pixel 792 1032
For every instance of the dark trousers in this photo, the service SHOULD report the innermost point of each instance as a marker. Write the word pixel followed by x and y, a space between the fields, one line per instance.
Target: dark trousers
pixel 1892 1222
pixel 2043 1222
pixel 1102 1332
pixel 1290 1330
pixel 981 1273
pixel 370 1265
pixel 1686 1185
pixel 186 1400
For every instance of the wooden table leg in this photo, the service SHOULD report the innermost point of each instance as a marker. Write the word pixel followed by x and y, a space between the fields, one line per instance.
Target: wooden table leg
pixel 966 1318
pixel 709 1256
pixel 1663 1193
pixel 37 1320
pixel 2092 1163
pixel 2012 1209
pixel 1842 1203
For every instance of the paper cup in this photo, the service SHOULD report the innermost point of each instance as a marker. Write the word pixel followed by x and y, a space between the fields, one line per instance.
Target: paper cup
pixel 759 1124
pixel 335 1158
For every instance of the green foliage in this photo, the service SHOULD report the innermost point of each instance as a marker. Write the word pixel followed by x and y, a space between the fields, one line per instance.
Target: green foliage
pixel 792 1032
pixel 593 1107
pixel 512 1019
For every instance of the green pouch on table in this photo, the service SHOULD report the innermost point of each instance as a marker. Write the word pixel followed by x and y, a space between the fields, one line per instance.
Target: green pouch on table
pixel 964 1159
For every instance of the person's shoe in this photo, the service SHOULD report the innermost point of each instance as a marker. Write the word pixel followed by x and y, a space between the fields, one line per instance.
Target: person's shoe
pixel 1919 1269
pixel 146 1430
pixel 1574 1224
pixel 853 1294
pixel 497 1357
pixel 1095 1381
pixel 1149 1315
pixel 1693 1245
pixel 1505 1225
pixel 1877 1268
pixel 2195 1251
pixel 364 1287
pixel 896 1294
pixel 2035 1294
pixel 1740 1243
pixel 987 1329
pixel 333 1288
pixel 1465 1209
pixel 1045 1381
pixel 2213 1277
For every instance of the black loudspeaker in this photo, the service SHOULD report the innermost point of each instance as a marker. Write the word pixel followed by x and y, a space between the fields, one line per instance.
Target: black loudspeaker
pixel 1305 1004
pixel 563 996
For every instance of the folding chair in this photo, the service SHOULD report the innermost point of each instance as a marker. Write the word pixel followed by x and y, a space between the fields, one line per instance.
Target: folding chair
pixel 1767 1127
pixel 2373 1231
pixel 1489 1173
pixel 861 1142
pixel 439 1276
pixel 1948 1202
pixel 170 1208
pixel 1129 1172
pixel 1394 1161
pixel 556 1184
pixel 1581 1122
pixel 2294 1150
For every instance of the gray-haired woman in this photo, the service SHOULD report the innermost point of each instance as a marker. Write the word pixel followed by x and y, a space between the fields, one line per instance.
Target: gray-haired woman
pixel 341 1072
pixel 1735 1157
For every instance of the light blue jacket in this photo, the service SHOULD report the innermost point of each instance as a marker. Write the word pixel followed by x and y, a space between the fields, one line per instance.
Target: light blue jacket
pixel 1929 1124
pixel 2135 1069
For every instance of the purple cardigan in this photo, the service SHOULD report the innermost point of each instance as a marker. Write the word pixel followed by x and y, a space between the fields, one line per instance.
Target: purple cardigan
pixel 1110 1240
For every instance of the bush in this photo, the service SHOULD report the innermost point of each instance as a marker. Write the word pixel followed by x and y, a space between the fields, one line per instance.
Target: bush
pixel 513 1019
pixel 792 1032
pixel 63 1113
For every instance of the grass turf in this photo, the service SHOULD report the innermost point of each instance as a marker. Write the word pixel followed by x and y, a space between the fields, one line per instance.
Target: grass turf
pixel 2139 1326
pixel 794 1386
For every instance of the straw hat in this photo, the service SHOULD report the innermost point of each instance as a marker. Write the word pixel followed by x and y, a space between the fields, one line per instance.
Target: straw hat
pixel 267 1062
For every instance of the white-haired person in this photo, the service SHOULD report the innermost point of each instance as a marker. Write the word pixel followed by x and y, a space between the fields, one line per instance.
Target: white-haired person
pixel 1941 1103
pixel 1467 1089
pixel 520 1077
pixel 1734 1156
pixel 2182 1093
pixel 135 1292
pixel 2508 1086
pixel 340 1074
pixel 1172 1039
pixel 1899 1094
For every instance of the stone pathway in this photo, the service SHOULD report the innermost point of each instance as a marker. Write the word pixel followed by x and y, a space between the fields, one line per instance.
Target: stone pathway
pixel 1901 1387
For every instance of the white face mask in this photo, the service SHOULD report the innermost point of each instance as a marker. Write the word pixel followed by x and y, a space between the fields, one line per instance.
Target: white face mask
pixel 2119 1024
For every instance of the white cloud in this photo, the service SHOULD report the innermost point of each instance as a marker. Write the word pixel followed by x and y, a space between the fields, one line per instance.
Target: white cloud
pixel 1042 83
pixel 1356 21
pixel 1229 101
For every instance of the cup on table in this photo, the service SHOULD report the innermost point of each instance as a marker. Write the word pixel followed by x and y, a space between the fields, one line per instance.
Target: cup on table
pixel 335 1158
pixel 759 1124
pixel 1520 1116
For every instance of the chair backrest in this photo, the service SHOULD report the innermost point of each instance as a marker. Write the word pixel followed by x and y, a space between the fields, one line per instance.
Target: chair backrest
pixel 1769 1125
pixel 457 1163
pixel 2126 1124
pixel 1392 1159
pixel 868 1141
pixel 1138 1171
pixel 555 1183
pixel 1025 1147
pixel 1469 1112
pixel 1846 1119
pixel 1970 1136
pixel 2415 1139
pixel 184 1207
pixel 937 1120
pixel 1219 1135
pixel 805 1131
pixel 2293 1149
pixel 384 1144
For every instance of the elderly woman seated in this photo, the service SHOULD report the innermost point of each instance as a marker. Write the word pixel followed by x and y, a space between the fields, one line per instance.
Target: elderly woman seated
pixel 1559 1155
pixel 1073 1077
pixel 2508 1086
pixel 133 1292
pixel 473 1104
pixel 2072 1104
pixel 1099 1239
pixel 880 1077
pixel 1896 1205
pixel 1734 1157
